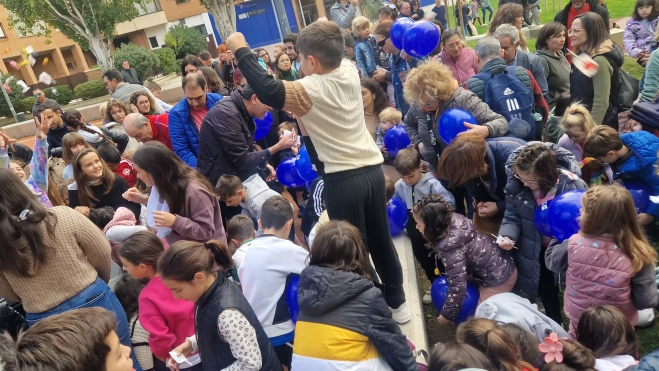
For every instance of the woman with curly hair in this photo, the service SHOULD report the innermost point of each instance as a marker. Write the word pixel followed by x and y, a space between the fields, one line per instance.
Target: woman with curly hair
pixel 115 113
pixel 143 103
pixel 511 14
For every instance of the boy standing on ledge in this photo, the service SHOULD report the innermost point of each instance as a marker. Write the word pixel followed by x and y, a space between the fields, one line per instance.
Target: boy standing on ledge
pixel 328 106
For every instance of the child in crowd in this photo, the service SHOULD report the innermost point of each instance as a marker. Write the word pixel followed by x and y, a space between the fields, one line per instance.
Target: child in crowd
pixel 619 259
pixel 537 173
pixel 412 186
pixel 499 347
pixel 639 37
pixel 528 344
pixel 282 130
pixel 314 207
pixel 120 166
pixel 364 56
pixel 38 179
pixel 76 340
pixel 265 288
pixel 553 131
pixel 122 225
pixel 72 143
pixel 389 117
pixel 228 334
pixel 127 289
pixel 328 102
pixel 240 234
pixel 607 332
pixel 340 305
pixel 168 321
pixel 155 89
pixel 573 357
pixel 96 185
pixel 75 122
pixel 467 254
pixel 457 356
pixel 633 156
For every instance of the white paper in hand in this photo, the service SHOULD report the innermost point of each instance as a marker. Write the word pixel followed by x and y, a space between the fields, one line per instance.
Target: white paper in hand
pixel 179 358
pixel 584 63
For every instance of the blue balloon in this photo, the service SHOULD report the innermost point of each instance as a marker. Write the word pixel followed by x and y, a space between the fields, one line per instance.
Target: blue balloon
pixel 540 219
pixel 287 173
pixel 451 123
pixel 396 139
pixel 564 214
pixel 397 213
pixel 304 165
pixel 398 31
pixel 438 292
pixel 263 126
pixel 421 39
pixel 308 183
pixel 291 297
pixel 640 193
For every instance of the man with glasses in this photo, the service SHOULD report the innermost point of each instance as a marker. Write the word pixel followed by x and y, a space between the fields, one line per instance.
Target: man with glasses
pixel 577 7
pixel 40 97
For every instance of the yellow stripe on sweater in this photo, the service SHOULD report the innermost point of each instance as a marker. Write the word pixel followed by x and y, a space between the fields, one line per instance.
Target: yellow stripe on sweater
pixel 332 343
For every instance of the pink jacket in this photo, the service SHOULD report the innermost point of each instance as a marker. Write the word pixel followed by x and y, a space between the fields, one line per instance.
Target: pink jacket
pixel 168 321
pixel 464 67
pixel 598 273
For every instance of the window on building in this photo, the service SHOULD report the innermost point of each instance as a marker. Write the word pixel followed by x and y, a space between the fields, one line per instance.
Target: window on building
pixel 181 21
pixel 146 6
pixel 2 32
pixel 38 29
pixel 182 1
pixel 154 42
pixel 201 28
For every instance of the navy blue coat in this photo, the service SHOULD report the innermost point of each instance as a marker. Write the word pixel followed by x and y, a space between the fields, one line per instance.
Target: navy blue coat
pixel 498 152
pixel 518 222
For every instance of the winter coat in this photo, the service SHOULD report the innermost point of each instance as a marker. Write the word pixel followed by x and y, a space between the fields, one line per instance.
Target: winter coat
pixel 464 67
pixel 343 15
pixel 600 92
pixel 469 255
pixel 131 76
pixel 344 323
pixel 497 152
pixel 399 68
pixel 257 193
pixel 427 185
pixel 557 71
pixel 518 222
pixel 651 87
pixel 54 137
pixel 577 151
pixel 364 56
pixel 183 130
pixel 562 15
pixel 649 363
pixel 638 37
pixel 226 144
pixel 643 164
pixel 599 273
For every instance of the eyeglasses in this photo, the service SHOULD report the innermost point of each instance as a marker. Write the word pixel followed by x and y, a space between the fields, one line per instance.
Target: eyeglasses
pixel 36 95
pixel 525 181
pixel 454 45
pixel 382 42
pixel 574 30
pixel 262 55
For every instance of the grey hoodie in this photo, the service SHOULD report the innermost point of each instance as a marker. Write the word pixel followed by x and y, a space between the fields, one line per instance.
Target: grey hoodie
pixel 428 185
pixel 257 192
pixel 557 70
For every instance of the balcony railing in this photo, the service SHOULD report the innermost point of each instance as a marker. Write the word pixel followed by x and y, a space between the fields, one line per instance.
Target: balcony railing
pixel 145 7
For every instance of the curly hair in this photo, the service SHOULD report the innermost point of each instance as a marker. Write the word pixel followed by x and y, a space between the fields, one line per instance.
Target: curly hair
pixel 152 104
pixel 507 14
pixel 431 78
pixel 436 214
pixel 115 103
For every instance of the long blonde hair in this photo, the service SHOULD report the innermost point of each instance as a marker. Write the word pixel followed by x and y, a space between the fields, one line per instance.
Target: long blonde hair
pixel 610 210
pixel 577 116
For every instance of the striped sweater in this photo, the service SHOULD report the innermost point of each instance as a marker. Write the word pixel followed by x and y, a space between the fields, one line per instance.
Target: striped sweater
pixel 329 110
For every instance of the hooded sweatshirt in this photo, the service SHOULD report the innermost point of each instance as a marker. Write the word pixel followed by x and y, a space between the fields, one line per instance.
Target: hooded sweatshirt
pixel 427 185
pixel 557 71
pixel 257 192
pixel 345 324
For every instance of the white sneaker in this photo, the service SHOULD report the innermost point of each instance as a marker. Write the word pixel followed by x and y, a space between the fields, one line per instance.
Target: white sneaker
pixel 401 314
pixel 484 24
pixel 427 299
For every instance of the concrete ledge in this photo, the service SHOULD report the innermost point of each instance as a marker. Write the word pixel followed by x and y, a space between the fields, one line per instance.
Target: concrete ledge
pixel 616 36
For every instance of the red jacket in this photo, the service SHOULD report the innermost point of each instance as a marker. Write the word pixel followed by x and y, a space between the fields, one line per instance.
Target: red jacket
pixel 126 170
pixel 160 126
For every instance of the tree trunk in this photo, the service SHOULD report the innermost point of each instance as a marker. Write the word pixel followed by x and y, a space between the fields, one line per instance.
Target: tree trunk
pixel 224 13
pixel 101 51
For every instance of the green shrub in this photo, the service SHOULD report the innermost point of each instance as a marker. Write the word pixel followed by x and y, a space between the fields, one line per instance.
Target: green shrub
pixel 144 61
pixel 167 59
pixel 185 40
pixel 91 89
pixel 26 105
pixel 61 94
pixel 16 96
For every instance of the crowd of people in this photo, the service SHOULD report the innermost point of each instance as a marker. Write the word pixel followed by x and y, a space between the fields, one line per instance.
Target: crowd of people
pixel 187 201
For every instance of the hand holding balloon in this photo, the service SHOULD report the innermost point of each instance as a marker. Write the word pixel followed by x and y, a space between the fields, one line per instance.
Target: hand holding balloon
pixel 481 130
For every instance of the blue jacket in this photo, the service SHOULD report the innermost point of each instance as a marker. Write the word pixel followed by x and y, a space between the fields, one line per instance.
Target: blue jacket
pixel 498 150
pixel 183 131
pixel 642 164
pixel 649 363
pixel 399 67
pixel 518 218
pixel 364 56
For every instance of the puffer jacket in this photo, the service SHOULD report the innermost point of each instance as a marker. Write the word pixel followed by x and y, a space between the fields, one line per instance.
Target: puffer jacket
pixel 183 130
pixel 469 255
pixel 417 122
pixel 427 185
pixel 649 363
pixel 344 323
pixel 639 38
pixel 643 164
pixel 257 193
pixel 518 222
pixel 497 152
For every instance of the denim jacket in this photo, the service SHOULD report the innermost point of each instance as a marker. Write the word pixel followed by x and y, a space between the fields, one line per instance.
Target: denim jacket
pixel 364 56
pixel 399 68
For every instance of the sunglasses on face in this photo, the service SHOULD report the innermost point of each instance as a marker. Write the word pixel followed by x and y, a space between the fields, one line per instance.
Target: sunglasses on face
pixel 382 42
